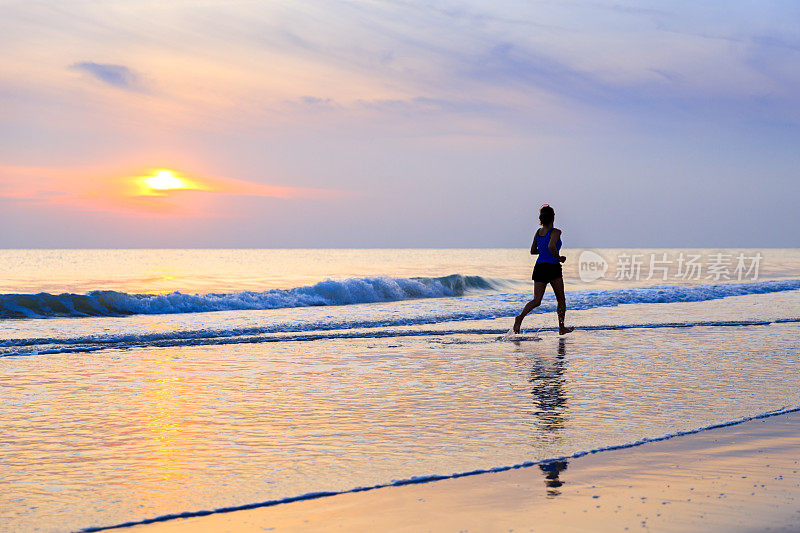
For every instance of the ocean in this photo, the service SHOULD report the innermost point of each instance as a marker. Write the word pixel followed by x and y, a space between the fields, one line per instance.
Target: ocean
pixel 143 383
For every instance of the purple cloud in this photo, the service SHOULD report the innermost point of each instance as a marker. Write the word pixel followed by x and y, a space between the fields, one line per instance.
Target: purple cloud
pixel 117 75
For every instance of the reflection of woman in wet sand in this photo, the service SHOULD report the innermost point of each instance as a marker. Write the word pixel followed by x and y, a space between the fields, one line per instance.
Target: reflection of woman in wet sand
pixel 552 470
pixel 547 245
pixel 550 400
pixel 547 388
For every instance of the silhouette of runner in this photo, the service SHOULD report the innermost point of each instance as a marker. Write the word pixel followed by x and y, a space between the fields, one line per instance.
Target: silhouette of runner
pixel 547 244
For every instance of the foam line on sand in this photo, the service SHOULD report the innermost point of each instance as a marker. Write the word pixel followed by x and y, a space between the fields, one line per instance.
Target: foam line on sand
pixel 426 479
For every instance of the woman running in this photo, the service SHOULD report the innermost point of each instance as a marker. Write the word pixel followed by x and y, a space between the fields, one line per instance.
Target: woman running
pixel 547 244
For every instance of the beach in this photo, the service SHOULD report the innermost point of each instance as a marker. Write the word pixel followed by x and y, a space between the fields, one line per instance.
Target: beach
pixel 742 477
pixel 136 402
pixel 399 266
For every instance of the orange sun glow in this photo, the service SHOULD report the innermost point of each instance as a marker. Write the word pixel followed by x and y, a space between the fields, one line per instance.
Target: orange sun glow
pixel 165 180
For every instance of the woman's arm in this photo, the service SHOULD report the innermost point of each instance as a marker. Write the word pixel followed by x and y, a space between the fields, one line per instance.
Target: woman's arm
pixel 534 246
pixel 553 244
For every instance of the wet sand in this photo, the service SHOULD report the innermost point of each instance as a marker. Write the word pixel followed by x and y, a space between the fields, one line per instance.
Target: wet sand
pixel 737 478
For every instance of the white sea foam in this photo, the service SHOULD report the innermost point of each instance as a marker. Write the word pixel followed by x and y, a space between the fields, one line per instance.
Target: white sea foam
pixel 23 347
pixel 379 322
pixel 329 292
pixel 355 291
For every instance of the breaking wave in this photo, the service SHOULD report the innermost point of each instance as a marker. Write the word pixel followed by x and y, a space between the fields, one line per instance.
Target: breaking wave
pixel 369 323
pixel 330 292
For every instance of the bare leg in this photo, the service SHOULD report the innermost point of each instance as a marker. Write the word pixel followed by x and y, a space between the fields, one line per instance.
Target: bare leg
pixel 538 291
pixel 561 307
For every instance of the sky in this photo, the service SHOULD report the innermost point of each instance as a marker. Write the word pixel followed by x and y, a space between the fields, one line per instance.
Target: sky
pixel 363 124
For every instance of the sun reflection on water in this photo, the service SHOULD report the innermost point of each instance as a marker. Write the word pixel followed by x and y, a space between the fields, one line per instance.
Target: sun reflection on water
pixel 164 407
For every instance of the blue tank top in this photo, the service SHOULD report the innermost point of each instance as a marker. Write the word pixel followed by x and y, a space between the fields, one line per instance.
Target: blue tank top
pixel 543 243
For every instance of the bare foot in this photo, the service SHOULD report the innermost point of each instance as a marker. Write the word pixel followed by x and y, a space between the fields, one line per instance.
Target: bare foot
pixel 564 330
pixel 517 325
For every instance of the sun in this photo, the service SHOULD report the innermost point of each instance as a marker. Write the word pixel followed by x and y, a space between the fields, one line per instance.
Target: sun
pixel 162 183
pixel 165 180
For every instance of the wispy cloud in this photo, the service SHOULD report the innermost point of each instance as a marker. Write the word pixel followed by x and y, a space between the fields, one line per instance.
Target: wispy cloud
pixel 120 192
pixel 315 101
pixel 117 75
pixel 612 58
pixel 578 98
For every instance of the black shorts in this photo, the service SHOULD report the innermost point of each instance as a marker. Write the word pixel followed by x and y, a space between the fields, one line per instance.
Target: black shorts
pixel 546 272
